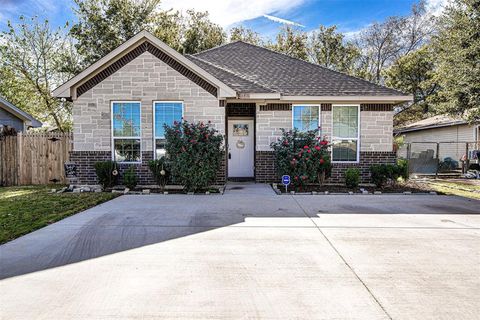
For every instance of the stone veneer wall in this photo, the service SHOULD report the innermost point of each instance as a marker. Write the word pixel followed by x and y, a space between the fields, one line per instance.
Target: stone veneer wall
pixel 145 79
pixel 266 171
pixel 376 127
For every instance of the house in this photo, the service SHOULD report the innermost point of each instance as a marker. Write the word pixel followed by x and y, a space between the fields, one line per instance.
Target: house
pixel 455 137
pixel 249 93
pixel 14 117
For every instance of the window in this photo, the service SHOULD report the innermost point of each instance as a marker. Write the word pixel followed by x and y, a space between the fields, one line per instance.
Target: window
pixel 165 112
pixel 345 133
pixel 126 131
pixel 305 117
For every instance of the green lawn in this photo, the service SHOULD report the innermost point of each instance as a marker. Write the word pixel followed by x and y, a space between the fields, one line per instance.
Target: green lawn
pixel 25 209
pixel 459 188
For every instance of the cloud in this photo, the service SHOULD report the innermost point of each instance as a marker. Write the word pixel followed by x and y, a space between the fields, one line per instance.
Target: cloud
pixel 283 21
pixel 228 12
pixel 435 7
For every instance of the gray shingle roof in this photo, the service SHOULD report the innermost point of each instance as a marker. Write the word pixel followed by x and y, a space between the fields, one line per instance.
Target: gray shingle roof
pixel 437 121
pixel 7 105
pixel 235 82
pixel 251 69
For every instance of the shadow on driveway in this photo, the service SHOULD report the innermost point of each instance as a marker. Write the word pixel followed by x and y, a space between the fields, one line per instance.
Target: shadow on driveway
pixel 130 222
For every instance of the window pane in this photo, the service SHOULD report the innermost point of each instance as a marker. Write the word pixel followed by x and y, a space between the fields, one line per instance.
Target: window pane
pixel 305 118
pixel 160 148
pixel 344 150
pixel 127 150
pixel 126 119
pixel 166 113
pixel 345 121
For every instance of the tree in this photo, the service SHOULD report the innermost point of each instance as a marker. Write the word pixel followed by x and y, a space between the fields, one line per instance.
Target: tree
pixel 201 34
pixel 458 56
pixel 31 63
pixel 103 25
pixel 384 43
pixel 414 73
pixel 292 42
pixel 327 48
pixel 169 27
pixel 246 35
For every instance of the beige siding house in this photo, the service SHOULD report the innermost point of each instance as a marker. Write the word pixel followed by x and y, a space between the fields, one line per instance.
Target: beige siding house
pixel 455 137
pixel 247 92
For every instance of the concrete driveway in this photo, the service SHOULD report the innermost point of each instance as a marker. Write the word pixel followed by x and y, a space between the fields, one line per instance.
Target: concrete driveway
pixel 250 254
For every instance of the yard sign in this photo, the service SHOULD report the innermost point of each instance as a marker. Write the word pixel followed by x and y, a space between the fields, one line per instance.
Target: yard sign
pixel 286 181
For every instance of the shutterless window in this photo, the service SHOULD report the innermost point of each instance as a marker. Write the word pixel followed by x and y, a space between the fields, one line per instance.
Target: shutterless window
pixel 126 131
pixel 166 112
pixel 345 133
pixel 305 117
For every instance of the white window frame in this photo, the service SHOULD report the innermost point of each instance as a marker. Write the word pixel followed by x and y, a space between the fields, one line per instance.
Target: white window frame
pixel 112 140
pixel 308 105
pixel 154 116
pixel 338 138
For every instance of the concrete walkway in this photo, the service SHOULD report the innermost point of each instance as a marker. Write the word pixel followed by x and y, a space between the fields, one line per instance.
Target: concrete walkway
pixel 255 256
pixel 245 188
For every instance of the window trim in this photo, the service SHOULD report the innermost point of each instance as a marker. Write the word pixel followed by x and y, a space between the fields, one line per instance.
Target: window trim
pixel 112 137
pixel 153 121
pixel 308 105
pixel 358 132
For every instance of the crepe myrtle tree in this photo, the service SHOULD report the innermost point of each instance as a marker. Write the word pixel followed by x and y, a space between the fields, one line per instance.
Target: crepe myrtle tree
pixel 195 152
pixel 304 156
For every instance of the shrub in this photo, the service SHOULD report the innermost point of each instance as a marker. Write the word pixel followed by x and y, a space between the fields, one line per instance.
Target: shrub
pixel 107 173
pixel 195 152
pixel 161 171
pixel 130 178
pixel 352 177
pixel 383 173
pixel 403 168
pixel 304 156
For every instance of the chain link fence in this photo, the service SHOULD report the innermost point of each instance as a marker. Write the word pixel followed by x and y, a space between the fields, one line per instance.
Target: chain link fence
pixel 440 158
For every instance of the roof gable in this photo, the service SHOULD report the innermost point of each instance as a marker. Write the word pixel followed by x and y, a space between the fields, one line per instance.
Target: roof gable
pixel 142 42
pixel 20 114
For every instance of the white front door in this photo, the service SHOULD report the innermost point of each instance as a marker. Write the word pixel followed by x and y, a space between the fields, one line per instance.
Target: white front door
pixel 240 148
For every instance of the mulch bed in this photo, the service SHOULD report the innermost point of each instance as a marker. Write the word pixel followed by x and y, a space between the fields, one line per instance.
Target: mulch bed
pixel 411 186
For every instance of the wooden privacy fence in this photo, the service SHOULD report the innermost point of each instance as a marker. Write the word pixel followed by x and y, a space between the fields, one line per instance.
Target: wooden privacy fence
pixel 34 158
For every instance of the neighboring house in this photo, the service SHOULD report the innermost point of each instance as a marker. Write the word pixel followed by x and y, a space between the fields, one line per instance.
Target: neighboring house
pixel 13 117
pixel 452 134
pixel 247 92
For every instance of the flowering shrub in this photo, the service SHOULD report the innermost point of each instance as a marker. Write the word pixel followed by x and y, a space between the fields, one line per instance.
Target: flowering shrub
pixel 304 156
pixel 195 153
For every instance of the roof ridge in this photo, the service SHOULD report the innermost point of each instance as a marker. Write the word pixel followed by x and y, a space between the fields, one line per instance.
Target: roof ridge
pixel 214 48
pixel 230 72
pixel 311 63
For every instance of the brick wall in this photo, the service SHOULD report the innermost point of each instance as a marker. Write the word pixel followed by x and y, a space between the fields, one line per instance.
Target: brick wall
pixel 367 159
pixel 266 171
pixel 241 110
pixel 85 161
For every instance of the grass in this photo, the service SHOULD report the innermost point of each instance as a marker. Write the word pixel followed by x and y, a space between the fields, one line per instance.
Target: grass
pixel 457 188
pixel 25 209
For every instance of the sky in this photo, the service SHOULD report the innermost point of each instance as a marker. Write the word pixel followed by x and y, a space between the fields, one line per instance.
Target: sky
pixel 264 16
